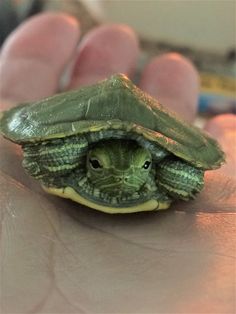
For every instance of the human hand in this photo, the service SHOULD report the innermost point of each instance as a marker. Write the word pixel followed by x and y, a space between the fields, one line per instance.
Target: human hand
pixel 60 257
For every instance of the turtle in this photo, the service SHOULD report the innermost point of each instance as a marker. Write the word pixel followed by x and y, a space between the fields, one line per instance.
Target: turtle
pixel 111 147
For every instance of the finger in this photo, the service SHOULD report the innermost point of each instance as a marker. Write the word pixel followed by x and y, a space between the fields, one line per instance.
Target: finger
pixel 106 50
pixel 34 56
pixel 223 128
pixel 174 81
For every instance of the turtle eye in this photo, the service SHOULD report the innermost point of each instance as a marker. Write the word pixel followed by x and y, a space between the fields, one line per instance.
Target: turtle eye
pixel 147 164
pixel 95 164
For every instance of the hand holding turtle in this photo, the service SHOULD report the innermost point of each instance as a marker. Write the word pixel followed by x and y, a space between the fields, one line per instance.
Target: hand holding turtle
pixel 40 223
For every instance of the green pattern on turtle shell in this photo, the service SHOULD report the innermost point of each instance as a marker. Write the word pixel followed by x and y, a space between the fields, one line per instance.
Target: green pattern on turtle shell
pixel 115 103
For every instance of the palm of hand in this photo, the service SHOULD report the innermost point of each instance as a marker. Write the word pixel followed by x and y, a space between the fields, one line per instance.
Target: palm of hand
pixel 63 258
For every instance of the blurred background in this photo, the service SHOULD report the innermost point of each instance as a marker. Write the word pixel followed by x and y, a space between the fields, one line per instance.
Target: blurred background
pixel 202 30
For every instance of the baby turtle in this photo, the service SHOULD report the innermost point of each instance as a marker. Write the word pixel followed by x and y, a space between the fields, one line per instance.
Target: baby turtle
pixel 111 147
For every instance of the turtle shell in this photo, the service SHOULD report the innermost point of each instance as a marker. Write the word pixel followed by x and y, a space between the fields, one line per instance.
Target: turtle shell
pixel 115 103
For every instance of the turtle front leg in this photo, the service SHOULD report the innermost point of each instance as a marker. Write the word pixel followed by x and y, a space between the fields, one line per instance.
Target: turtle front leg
pixel 179 179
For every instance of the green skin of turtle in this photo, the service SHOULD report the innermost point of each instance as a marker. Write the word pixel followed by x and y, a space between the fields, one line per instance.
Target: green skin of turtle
pixel 115 161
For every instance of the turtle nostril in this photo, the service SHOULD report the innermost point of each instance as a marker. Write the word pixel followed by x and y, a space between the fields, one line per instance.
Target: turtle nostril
pixel 122 179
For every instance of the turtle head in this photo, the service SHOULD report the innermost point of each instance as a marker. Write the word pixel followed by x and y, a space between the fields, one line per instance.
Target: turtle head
pixel 118 167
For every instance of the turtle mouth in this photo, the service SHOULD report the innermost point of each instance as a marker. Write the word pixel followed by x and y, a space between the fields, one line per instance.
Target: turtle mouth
pixel 121 199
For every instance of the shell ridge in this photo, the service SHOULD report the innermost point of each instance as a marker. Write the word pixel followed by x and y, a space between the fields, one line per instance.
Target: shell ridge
pixel 114 103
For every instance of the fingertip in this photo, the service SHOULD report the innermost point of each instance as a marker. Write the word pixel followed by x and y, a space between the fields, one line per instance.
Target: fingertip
pixel 174 81
pixel 41 36
pixel 108 49
pixel 35 54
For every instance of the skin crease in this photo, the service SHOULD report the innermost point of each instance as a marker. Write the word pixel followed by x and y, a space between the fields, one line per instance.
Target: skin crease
pixel 59 257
